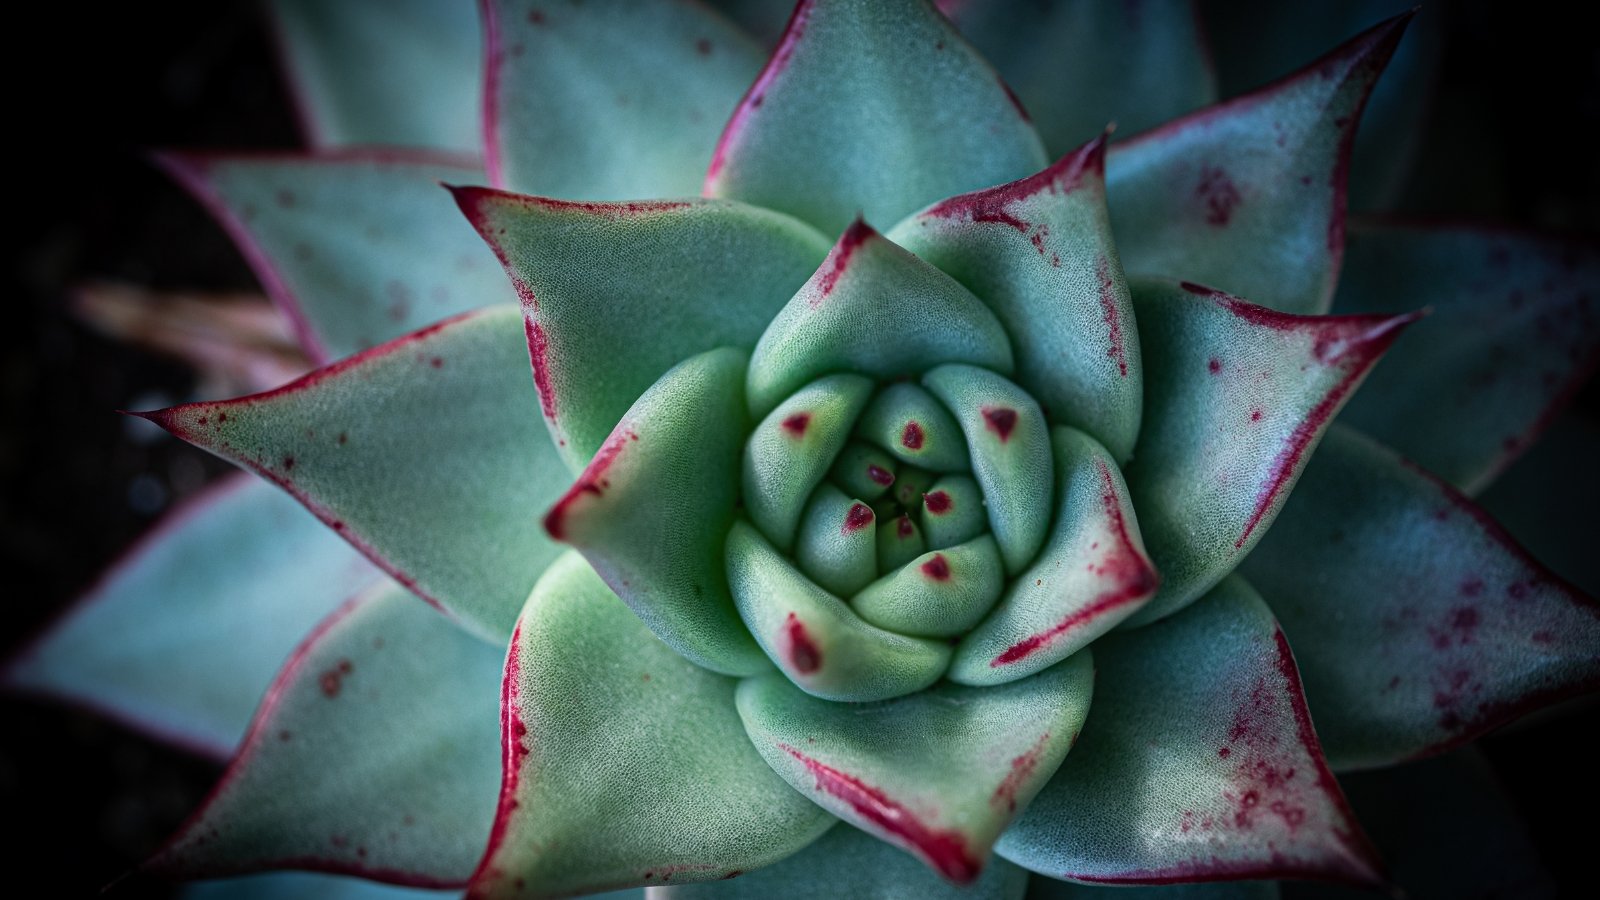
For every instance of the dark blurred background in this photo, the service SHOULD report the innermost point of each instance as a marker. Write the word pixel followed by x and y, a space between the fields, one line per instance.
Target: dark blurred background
pixel 1510 137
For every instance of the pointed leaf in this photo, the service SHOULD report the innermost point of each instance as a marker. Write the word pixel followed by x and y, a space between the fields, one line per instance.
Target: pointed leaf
pixel 652 509
pixel 1039 253
pixel 372 755
pixel 906 421
pixel 1010 448
pixel 1198 764
pixel 1514 334
pixel 837 546
pixel 157 643
pixel 609 101
pixel 940 594
pixel 1092 573
pixel 874 109
pixel 938 773
pixel 793 448
pixel 1080 64
pixel 876 310
pixel 847 862
pixel 664 280
pixel 1419 623
pixel 400 72
pixel 356 246
pixel 1253 42
pixel 1249 195
pixel 1238 397
pixel 623 763
pixel 815 638
pixel 425 453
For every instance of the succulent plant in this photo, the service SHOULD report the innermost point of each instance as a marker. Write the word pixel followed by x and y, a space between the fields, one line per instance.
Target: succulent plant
pixel 881 536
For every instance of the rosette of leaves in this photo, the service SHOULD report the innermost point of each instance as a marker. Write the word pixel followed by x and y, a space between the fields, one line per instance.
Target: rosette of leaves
pixel 863 529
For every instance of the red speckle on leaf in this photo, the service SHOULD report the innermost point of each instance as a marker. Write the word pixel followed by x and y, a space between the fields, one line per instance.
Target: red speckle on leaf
pixel 937 568
pixel 880 475
pixel 592 482
pixel 288 463
pixel 1219 194
pixel 1022 768
pixel 437 362
pixel 804 654
pixel 911 436
pixel 1224 752
pixel 1255 415
pixel 795 425
pixel 993 204
pixel 903 527
pixel 1113 319
pixel 1352 343
pixel 945 850
pixel 332 679
pixel 1001 420
pixel 859 517
pixel 1214 366
pixel 536 17
pixel 703 47
pixel 1133 579
pixel 838 259
pixel 937 502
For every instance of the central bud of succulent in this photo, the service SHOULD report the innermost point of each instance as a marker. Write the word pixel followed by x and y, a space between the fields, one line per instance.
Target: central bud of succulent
pixel 896 485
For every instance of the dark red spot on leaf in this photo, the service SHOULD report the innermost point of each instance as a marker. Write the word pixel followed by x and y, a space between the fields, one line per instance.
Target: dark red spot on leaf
pixel 938 502
pixel 804 655
pixel 911 436
pixel 795 425
pixel 859 517
pixel 1001 420
pixel 937 568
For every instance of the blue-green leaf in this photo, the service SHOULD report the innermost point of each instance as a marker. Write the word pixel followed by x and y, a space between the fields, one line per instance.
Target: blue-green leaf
pixel 1237 398
pixel 623 763
pixel 373 755
pixel 615 100
pixel 663 280
pixel 1249 195
pixel 405 73
pixel 1418 622
pixel 937 773
pixel 182 637
pixel 425 453
pixel 1514 332
pixel 356 246
pixel 874 109
pixel 1198 763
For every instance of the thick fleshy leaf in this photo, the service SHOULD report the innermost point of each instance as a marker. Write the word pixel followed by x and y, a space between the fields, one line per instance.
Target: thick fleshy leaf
pixel 1249 195
pixel 1256 41
pixel 1092 574
pixel 1198 763
pixel 1009 443
pixel 847 862
pixel 940 594
pixel 1079 64
pixel 304 886
pixel 663 280
pixel 906 421
pixel 1238 396
pixel 872 109
pixel 815 638
pixel 356 246
pixel 1039 253
pixel 793 448
pixel 623 763
pixel 938 773
pixel 1052 889
pixel 425 453
pixel 609 101
pixel 1514 333
pixel 182 637
pixel 875 310
pixel 837 546
pixel 373 755
pixel 405 73
pixel 652 509
pixel 1418 621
